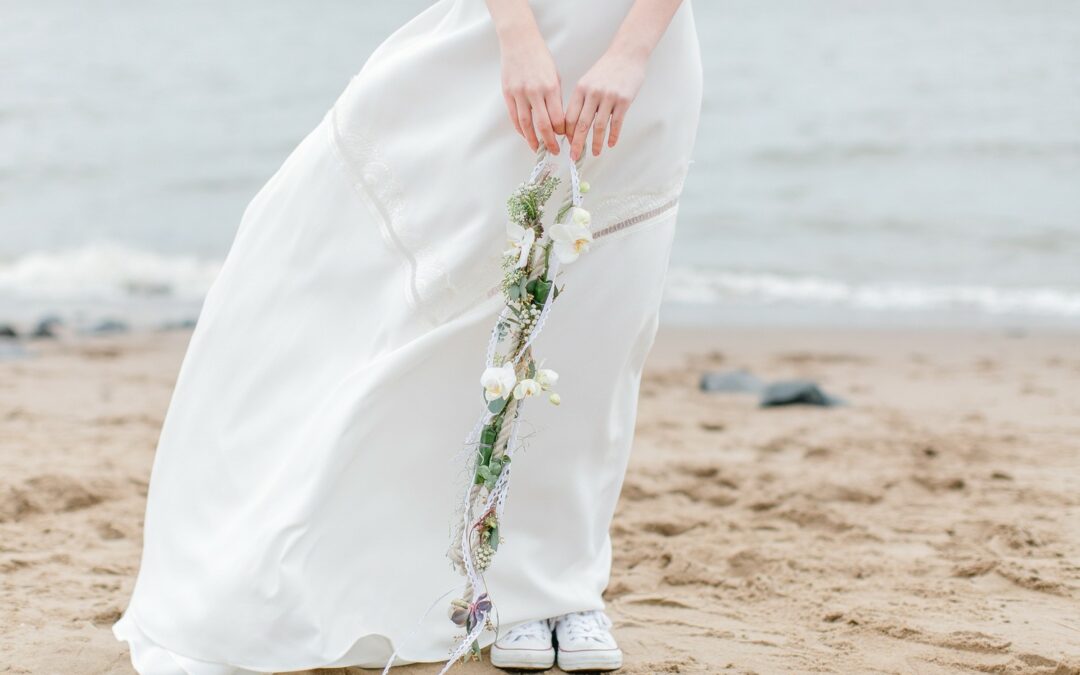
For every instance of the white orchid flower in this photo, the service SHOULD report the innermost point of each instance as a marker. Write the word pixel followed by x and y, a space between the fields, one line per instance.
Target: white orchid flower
pixel 555 399
pixel 547 377
pixel 571 240
pixel 527 387
pixel 498 381
pixel 580 216
pixel 521 242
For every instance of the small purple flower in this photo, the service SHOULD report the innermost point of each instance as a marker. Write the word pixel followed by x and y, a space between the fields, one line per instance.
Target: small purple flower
pixel 471 615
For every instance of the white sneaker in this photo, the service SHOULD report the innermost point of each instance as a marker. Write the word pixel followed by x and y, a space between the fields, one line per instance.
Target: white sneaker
pixel 525 647
pixel 585 642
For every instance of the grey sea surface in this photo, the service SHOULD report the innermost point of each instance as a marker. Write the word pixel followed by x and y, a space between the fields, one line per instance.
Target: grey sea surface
pixel 858 161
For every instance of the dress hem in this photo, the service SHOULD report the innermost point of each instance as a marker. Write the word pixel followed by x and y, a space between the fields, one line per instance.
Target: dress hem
pixel 131 621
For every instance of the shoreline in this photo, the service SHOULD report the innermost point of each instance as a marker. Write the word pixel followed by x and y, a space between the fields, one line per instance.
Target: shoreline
pixel 930 525
pixel 675 320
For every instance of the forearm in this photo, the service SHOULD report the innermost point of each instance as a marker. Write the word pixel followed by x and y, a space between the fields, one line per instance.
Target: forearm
pixel 513 21
pixel 643 27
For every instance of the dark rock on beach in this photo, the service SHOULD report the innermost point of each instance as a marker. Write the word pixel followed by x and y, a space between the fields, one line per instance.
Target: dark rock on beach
pixel 732 381
pixel 796 392
pixel 109 327
pixel 8 331
pixel 782 392
pixel 46 328
pixel 181 324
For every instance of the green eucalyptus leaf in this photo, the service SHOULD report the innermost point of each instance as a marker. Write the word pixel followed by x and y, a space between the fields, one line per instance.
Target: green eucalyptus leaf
pixel 496 406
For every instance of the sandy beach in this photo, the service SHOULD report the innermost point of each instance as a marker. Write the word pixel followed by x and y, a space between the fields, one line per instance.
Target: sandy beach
pixel 932 525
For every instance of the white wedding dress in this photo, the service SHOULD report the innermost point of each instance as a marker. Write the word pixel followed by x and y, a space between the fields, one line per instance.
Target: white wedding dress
pixel 302 496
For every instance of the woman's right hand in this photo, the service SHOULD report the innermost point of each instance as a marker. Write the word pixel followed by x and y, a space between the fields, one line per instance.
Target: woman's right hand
pixel 530 80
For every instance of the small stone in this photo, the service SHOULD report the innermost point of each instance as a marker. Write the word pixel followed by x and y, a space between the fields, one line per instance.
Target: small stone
pixel 732 381
pixel 182 324
pixel 46 328
pixel 796 392
pixel 110 326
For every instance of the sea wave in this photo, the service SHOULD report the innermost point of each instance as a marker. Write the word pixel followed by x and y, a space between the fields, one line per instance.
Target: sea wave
pixel 108 272
pixel 698 286
pixel 115 273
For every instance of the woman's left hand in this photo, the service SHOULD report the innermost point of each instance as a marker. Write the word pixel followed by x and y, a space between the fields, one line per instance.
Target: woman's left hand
pixel 602 97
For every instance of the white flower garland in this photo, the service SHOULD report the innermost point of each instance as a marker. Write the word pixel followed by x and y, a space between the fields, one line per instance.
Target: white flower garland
pixel 511 376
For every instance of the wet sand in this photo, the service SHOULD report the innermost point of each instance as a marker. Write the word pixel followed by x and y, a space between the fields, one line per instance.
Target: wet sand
pixel 931 526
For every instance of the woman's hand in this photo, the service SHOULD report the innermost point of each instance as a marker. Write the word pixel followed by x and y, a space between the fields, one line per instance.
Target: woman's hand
pixel 604 94
pixel 530 80
pixel 602 97
pixel 533 93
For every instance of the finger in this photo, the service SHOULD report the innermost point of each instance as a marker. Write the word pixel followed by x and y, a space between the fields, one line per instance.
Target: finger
pixel 573 111
pixel 581 129
pixel 540 116
pixel 526 122
pixel 555 111
pixel 617 118
pixel 511 107
pixel 600 124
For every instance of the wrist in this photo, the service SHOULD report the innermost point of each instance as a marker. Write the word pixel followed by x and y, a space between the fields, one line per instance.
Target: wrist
pixel 632 48
pixel 518 30
pixel 521 42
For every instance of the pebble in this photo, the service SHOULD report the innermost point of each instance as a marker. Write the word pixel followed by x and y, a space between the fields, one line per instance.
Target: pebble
pixel 796 392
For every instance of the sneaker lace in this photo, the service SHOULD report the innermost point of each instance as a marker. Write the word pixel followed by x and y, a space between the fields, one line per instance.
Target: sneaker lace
pixel 593 626
pixel 533 630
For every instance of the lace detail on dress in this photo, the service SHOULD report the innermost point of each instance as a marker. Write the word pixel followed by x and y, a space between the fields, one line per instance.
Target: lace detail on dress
pixel 636 219
pixel 623 210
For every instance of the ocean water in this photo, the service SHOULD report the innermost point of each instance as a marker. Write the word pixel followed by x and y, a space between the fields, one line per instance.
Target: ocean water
pixel 860 161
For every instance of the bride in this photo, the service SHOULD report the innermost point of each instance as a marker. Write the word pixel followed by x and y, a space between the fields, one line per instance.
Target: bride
pixel 302 493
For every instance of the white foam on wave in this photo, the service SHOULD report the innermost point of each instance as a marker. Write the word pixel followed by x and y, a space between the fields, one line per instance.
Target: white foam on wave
pixel 108 272
pixel 115 273
pixel 710 287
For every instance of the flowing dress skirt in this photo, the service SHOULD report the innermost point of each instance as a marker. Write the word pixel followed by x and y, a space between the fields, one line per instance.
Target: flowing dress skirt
pixel 302 495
